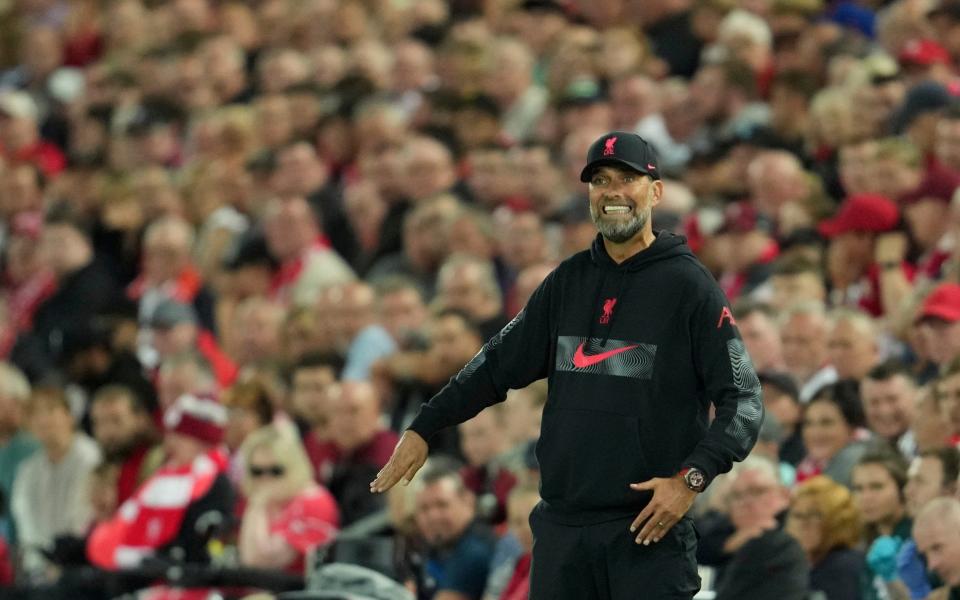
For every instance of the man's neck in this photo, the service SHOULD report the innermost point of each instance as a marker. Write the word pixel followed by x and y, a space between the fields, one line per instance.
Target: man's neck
pixel 57 450
pixel 638 243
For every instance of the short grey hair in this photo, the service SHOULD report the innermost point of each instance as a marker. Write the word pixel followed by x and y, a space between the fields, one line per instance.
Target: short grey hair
pixel 759 463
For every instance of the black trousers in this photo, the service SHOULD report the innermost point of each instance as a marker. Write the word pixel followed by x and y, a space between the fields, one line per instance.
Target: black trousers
pixel 602 562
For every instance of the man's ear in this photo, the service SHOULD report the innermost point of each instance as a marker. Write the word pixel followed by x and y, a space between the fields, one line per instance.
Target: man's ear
pixel 656 192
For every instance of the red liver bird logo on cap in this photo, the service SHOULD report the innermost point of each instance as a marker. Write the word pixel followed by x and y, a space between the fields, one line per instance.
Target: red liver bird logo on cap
pixel 608 146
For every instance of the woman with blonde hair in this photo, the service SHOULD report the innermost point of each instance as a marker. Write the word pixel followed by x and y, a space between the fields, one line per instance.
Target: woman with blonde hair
pixel 287 513
pixel 825 521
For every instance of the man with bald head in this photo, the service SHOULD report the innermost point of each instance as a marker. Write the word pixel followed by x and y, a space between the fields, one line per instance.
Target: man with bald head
pixel 937 534
pixel 361 444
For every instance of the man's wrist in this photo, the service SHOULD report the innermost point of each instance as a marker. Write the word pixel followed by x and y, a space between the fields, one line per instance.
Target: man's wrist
pixel 693 478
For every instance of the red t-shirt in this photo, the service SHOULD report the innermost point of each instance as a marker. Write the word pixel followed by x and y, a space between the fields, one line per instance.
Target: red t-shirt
pixel 309 520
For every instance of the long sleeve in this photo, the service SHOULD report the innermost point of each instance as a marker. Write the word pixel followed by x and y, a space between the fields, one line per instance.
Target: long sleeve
pixel 512 359
pixel 730 384
pixel 20 505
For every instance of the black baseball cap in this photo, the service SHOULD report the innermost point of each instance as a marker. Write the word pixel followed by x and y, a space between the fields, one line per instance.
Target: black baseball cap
pixel 624 149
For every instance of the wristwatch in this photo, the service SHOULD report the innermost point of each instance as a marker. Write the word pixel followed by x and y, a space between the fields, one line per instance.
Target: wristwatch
pixel 694 478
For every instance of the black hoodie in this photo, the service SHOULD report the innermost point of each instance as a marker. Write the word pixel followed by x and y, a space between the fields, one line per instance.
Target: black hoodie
pixel 634 354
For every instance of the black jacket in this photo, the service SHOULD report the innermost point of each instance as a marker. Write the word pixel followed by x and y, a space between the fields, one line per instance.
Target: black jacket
pixel 634 354
pixel 770 567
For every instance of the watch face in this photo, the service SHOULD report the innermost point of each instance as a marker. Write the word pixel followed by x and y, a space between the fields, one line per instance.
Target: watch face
pixel 695 479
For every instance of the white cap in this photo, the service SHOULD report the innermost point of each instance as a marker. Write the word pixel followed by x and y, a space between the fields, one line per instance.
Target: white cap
pixel 18 105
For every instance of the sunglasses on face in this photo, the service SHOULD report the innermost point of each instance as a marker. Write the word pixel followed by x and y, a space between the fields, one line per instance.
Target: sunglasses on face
pixel 271 471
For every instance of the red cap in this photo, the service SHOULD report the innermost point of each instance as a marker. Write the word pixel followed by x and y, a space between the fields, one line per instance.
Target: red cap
pixel 198 416
pixel 862 212
pixel 942 303
pixel 938 184
pixel 924 52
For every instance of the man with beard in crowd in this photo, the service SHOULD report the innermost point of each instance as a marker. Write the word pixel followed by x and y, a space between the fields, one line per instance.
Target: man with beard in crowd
pixel 123 427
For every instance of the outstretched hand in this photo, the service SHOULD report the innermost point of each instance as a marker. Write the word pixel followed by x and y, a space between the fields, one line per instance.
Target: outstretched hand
pixel 671 500
pixel 407 458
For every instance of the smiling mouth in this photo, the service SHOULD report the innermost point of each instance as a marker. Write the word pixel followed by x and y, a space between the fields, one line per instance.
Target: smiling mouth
pixel 616 209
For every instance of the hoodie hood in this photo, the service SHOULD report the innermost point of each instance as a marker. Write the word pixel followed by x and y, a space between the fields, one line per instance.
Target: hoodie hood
pixel 666 245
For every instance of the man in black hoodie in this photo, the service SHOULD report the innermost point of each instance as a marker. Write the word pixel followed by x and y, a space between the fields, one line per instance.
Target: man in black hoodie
pixel 637 341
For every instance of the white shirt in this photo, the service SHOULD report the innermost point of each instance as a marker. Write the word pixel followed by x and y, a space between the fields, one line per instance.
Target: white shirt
pixel 51 499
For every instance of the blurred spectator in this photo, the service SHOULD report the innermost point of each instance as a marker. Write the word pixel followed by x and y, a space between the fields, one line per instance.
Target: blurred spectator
pixel 939 319
pixel 84 288
pixel 831 421
pixel 168 273
pixel 459 549
pixel 781 400
pixel 20 139
pixel 825 521
pixel 428 169
pixel 509 80
pixel 470 285
pixel 425 229
pixel 804 329
pixel 520 504
pixel 358 337
pixel 176 523
pixel 926 211
pixel 484 442
pixel 852 344
pixel 16 442
pixel 947 398
pixel 937 531
pixel 766 562
pixel 795 280
pixel 287 513
pixel 932 474
pixel 856 277
pixel 123 427
pixel 93 358
pixel 930 429
pixel 415 376
pixel 27 281
pixel 752 249
pixel 889 398
pixel 184 373
pixel 175 330
pixel 361 446
pixel 257 323
pixel 758 328
pixel 307 264
pixel 49 495
pixel 401 311
pixel 249 408
pixel 311 381
pixel 878 482
pixel 528 280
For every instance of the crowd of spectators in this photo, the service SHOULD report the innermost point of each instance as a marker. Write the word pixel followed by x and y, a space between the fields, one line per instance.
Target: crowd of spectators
pixel 243 241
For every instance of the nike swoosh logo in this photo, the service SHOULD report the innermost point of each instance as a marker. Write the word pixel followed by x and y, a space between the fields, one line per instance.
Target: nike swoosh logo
pixel 582 361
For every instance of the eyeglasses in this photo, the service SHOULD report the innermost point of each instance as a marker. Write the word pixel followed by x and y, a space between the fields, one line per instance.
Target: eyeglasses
pixel 748 493
pixel 805 517
pixel 271 471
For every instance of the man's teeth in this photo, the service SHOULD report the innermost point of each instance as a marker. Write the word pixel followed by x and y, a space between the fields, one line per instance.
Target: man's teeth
pixel 615 209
